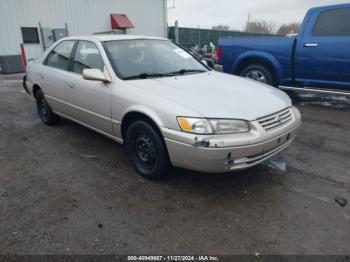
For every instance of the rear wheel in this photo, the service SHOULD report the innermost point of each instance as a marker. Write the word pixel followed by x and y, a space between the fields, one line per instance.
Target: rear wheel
pixel 259 73
pixel 147 150
pixel 44 110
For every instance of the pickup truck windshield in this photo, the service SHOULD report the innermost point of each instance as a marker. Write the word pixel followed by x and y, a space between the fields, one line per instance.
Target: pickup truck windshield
pixel 139 59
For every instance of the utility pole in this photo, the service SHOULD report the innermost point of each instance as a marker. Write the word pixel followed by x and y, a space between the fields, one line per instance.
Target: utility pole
pixel 248 23
pixel 199 35
pixel 177 32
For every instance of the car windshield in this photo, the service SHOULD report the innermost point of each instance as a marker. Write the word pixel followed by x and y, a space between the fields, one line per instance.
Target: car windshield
pixel 137 59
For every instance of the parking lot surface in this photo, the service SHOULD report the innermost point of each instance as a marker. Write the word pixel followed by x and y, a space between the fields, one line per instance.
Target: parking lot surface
pixel 68 190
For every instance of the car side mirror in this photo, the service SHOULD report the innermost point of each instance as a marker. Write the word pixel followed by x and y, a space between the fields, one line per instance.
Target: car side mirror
pixel 95 74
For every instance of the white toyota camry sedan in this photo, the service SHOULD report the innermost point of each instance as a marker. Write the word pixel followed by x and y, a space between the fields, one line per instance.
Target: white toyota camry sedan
pixel 166 107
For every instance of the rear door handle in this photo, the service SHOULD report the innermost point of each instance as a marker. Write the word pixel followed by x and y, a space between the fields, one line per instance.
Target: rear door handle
pixel 70 87
pixel 311 45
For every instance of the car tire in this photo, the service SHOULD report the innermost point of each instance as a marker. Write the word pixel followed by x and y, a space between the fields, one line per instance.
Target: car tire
pixel 259 73
pixel 147 150
pixel 44 110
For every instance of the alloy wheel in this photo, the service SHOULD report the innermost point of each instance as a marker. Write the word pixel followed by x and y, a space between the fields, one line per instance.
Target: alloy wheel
pixel 257 76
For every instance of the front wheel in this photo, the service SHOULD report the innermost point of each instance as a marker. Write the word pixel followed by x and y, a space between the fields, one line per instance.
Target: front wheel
pixel 44 110
pixel 147 150
pixel 259 73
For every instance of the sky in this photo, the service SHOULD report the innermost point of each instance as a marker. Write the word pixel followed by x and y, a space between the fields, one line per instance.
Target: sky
pixel 208 13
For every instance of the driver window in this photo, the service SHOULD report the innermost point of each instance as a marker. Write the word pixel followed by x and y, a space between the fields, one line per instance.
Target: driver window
pixel 87 56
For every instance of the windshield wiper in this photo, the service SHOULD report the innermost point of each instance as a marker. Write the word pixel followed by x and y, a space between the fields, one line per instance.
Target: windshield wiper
pixel 184 71
pixel 150 75
pixel 147 75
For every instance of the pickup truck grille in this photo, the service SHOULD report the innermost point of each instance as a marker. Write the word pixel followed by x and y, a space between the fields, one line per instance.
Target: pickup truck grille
pixel 275 120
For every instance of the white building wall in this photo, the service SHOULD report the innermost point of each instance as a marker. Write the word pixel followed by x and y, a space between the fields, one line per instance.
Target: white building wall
pixel 82 16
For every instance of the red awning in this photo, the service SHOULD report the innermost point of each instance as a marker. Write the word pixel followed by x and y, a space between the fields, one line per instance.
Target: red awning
pixel 120 21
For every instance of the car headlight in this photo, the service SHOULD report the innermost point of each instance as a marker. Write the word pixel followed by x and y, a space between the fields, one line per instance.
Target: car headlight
pixel 230 126
pixel 205 126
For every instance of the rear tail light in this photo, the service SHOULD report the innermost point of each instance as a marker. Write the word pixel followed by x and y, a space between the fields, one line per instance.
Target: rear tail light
pixel 219 53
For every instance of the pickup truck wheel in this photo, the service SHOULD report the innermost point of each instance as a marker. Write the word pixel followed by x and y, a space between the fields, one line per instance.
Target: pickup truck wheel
pixel 147 150
pixel 45 112
pixel 258 73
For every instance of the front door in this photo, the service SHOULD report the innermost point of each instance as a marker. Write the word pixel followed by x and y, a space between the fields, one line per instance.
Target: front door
pixel 89 101
pixel 323 52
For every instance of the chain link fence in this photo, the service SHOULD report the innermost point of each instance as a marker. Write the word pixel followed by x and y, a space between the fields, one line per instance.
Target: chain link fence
pixel 201 37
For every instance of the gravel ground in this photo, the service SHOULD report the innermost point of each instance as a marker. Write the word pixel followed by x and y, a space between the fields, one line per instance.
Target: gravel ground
pixel 68 190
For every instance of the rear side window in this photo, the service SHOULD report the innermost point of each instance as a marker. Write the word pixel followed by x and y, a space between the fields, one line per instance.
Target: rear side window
pixel 59 57
pixel 87 56
pixel 333 23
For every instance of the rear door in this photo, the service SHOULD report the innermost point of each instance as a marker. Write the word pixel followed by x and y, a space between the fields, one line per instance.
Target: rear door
pixel 323 51
pixel 54 73
pixel 88 101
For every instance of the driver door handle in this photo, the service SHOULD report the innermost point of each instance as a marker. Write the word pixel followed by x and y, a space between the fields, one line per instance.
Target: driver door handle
pixel 70 87
pixel 311 45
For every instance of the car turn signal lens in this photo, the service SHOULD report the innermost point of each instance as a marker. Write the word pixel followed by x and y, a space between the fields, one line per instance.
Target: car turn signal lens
pixel 200 126
pixel 185 124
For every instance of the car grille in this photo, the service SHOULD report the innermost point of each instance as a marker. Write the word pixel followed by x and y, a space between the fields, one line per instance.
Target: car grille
pixel 276 120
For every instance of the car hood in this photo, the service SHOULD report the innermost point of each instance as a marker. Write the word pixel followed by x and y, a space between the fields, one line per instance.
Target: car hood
pixel 218 95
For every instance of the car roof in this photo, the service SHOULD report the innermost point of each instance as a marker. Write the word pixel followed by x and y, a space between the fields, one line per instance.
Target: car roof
pixel 345 5
pixel 111 37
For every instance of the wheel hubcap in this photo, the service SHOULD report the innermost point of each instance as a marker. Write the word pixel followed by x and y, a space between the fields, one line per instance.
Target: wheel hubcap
pixel 145 150
pixel 43 107
pixel 257 76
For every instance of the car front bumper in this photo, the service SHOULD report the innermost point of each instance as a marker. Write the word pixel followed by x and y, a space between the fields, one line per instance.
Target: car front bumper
pixel 226 153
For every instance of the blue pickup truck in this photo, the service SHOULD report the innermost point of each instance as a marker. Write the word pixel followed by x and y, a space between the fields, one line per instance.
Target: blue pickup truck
pixel 319 57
